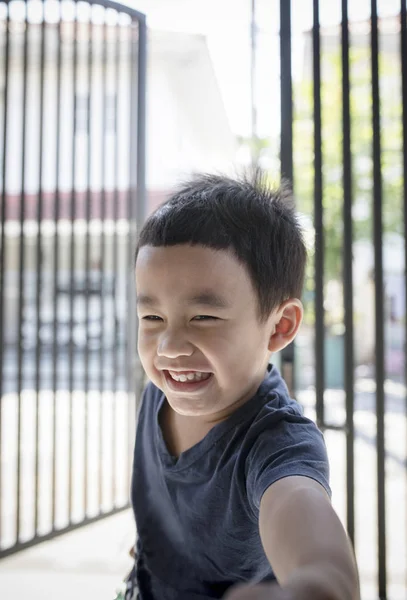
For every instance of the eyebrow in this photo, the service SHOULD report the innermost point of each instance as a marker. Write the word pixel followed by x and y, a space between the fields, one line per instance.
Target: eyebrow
pixel 144 300
pixel 206 298
pixel 209 299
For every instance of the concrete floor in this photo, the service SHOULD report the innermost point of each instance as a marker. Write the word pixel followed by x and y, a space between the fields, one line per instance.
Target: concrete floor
pixel 87 564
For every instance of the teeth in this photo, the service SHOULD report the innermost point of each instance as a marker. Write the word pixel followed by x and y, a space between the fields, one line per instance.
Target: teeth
pixel 189 377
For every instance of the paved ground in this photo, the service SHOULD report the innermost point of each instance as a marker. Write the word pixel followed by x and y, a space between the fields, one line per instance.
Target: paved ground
pixel 87 564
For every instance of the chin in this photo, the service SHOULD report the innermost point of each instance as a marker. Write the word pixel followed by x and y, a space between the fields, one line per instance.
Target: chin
pixel 188 408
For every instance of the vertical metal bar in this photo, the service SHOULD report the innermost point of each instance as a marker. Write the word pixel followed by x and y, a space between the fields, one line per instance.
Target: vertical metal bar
pixel 39 259
pixel 379 308
pixel 318 225
pixel 253 56
pixel 115 272
pixel 72 259
pixel 132 364
pixel 102 259
pixel 108 287
pixel 141 205
pixel 56 249
pixel 137 208
pixel 287 169
pixel 87 257
pixel 348 274
pixel 3 231
pixel 286 92
pixel 21 275
pixel 141 124
pixel 403 58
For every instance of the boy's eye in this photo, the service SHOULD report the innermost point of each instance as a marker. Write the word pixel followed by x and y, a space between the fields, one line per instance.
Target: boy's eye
pixel 204 318
pixel 151 318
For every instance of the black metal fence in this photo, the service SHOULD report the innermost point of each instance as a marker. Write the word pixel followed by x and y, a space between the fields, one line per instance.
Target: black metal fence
pixel 363 51
pixel 72 156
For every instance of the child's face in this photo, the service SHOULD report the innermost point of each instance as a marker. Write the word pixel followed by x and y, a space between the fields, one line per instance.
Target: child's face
pixel 199 319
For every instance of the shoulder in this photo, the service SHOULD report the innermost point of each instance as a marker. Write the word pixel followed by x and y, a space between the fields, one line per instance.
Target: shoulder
pixel 282 442
pixel 285 436
pixel 282 434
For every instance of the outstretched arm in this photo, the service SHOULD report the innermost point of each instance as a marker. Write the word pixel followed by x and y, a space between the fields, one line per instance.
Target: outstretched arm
pixel 306 545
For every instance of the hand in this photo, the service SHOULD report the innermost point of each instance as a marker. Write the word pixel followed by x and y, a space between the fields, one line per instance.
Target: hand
pixel 262 591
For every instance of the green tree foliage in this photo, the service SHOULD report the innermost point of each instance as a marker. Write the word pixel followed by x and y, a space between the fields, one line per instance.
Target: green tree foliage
pixel 361 152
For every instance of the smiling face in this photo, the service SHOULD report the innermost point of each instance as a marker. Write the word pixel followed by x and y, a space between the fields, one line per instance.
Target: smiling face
pixel 200 337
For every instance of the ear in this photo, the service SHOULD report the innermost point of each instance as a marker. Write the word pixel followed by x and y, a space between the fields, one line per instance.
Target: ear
pixel 285 324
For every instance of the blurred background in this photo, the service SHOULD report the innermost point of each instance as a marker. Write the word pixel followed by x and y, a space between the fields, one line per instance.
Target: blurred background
pixel 103 109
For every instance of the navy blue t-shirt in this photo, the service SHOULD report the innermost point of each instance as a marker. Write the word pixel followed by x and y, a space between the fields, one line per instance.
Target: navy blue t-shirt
pixel 197 515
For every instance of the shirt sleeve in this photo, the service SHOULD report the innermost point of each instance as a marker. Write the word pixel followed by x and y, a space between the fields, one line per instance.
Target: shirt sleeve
pixel 292 445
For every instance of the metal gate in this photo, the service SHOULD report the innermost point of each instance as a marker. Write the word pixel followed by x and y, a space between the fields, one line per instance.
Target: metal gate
pixel 72 156
pixel 368 409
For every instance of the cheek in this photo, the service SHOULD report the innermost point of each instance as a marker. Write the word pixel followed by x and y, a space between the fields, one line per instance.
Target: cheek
pixel 146 352
pixel 220 342
pixel 245 349
pixel 225 349
pixel 145 343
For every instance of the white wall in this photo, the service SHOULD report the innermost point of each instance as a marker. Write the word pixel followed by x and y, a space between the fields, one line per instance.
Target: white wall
pixel 187 126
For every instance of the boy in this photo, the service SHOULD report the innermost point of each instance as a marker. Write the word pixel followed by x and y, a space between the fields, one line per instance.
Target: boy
pixel 230 481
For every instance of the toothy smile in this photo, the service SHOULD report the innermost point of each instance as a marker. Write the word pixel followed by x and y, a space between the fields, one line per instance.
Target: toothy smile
pixel 189 376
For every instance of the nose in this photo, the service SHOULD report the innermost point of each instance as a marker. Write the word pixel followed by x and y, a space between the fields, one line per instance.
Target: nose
pixel 174 343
